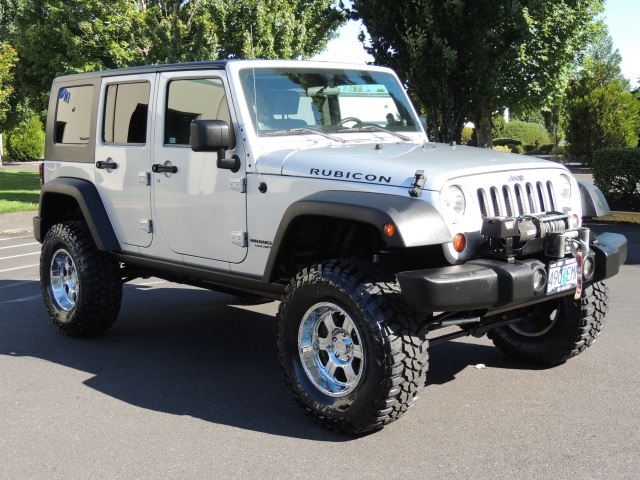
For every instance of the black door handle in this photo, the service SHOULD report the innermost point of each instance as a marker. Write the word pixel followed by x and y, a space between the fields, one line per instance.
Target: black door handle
pixel 104 165
pixel 157 168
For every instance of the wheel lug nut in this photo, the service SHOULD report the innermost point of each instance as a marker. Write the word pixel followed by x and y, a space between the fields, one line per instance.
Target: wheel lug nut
pixel 335 339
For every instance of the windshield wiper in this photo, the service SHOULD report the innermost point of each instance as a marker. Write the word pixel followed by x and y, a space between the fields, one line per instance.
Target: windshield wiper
pixel 377 129
pixel 302 130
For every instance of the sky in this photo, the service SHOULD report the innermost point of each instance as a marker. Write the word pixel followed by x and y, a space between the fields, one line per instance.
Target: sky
pixel 621 17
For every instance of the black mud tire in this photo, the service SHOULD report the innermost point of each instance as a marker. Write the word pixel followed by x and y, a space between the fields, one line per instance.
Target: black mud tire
pixel 567 328
pixel 393 340
pixel 81 286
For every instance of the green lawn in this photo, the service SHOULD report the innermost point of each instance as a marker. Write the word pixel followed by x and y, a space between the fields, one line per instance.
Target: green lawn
pixel 19 190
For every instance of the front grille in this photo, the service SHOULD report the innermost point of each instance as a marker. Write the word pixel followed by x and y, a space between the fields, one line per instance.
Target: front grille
pixel 516 199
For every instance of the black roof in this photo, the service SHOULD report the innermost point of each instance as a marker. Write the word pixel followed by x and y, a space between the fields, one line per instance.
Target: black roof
pixel 202 65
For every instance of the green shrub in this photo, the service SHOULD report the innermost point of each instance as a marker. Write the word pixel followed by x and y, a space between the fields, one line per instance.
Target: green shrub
pixel 501 142
pixel 527 133
pixel 616 171
pixel 467 134
pixel 26 142
pixel 559 153
pixel 529 148
pixel 517 149
pixel 546 149
pixel 501 148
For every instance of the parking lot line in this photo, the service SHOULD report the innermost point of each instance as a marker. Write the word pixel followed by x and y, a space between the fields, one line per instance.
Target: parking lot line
pixel 21 245
pixel 21 255
pixel 18 268
pixel 15 238
pixel 23 299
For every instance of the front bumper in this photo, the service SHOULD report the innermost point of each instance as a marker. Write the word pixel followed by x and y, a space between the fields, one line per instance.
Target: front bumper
pixel 493 284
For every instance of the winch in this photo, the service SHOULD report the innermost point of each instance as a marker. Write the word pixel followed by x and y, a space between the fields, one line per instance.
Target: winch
pixel 551 233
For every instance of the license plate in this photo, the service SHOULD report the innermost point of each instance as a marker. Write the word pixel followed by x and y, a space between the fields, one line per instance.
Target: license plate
pixel 563 275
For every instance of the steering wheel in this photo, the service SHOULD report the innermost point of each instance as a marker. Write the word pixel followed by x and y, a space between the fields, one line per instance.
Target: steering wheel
pixel 351 119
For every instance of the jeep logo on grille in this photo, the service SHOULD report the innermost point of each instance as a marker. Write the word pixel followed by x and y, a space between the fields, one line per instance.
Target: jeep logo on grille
pixel 516 178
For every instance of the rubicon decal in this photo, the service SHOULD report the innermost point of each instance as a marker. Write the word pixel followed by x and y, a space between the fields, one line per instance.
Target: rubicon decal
pixel 367 177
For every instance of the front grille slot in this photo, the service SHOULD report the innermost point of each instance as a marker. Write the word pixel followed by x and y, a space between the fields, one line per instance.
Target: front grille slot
pixel 516 199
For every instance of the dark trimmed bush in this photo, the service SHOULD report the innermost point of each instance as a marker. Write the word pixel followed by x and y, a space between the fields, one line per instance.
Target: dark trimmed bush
pixel 503 142
pixel 616 171
pixel 26 142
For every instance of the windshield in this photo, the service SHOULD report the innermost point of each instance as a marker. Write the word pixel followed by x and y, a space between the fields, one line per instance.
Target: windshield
pixel 326 100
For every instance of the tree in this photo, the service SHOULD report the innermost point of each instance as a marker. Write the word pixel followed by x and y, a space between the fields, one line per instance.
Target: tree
pixel 602 112
pixel 55 37
pixel 468 59
pixel 7 62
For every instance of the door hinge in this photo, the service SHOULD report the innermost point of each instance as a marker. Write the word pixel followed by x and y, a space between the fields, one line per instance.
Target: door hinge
pixel 239 238
pixel 144 178
pixel 238 184
pixel 146 225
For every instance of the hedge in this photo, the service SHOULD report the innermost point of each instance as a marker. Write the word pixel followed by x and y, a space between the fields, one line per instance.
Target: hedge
pixel 527 133
pixel 616 171
pixel 502 142
pixel 26 142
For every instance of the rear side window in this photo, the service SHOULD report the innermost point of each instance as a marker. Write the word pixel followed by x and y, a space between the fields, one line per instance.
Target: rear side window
pixel 126 110
pixel 73 115
pixel 193 99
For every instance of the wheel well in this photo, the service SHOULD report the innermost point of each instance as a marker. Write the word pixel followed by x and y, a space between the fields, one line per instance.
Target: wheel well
pixel 312 239
pixel 57 208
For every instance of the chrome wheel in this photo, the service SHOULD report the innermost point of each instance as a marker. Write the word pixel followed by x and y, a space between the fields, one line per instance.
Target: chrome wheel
pixel 330 349
pixel 64 280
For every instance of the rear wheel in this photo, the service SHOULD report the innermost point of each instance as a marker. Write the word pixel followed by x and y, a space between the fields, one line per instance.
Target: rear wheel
pixel 81 286
pixel 353 354
pixel 550 333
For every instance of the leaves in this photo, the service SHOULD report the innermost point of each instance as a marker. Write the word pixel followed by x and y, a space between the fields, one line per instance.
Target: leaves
pixel 467 59
pixel 56 37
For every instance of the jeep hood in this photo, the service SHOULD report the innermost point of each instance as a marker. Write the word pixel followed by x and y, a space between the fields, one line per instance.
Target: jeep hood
pixel 395 164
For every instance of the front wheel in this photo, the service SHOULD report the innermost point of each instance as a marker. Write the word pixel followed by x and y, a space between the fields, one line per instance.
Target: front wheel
pixel 81 286
pixel 353 354
pixel 553 332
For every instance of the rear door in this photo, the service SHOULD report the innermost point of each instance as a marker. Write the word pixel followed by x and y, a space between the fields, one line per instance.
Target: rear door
pixel 123 155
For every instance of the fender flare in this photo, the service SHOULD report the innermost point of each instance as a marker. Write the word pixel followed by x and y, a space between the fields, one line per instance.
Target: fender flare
pixel 417 222
pixel 86 195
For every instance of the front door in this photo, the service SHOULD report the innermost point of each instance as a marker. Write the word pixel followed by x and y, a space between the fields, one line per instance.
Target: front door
pixel 200 209
pixel 123 155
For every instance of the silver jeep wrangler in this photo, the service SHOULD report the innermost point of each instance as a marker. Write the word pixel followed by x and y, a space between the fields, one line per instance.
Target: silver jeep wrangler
pixel 315 184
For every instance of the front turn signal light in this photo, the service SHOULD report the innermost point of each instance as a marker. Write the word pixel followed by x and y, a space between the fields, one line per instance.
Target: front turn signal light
pixel 459 242
pixel 389 229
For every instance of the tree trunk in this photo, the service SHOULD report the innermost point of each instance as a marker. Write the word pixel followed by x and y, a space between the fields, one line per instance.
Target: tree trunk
pixel 483 124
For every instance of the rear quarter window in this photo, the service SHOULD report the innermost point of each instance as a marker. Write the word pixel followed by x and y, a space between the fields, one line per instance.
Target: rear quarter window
pixel 73 115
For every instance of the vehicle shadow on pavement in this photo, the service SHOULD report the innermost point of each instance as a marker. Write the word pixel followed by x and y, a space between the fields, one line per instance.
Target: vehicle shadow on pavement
pixel 179 351
pixel 446 360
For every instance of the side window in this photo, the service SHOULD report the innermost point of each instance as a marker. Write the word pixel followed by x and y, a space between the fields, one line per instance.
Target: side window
pixel 125 113
pixel 73 115
pixel 193 99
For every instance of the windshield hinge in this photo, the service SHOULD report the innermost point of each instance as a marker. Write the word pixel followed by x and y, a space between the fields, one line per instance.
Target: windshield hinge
pixel 417 184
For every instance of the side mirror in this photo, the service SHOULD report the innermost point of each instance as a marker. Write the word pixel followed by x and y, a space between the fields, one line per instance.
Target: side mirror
pixel 213 136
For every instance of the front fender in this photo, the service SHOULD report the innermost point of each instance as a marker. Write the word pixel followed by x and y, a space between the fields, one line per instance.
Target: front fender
pixel 417 222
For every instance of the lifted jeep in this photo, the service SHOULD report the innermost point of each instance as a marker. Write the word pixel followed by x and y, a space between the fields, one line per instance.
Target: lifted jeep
pixel 315 184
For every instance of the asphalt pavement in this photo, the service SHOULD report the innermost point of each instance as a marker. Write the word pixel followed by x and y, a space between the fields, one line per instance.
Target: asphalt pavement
pixel 187 385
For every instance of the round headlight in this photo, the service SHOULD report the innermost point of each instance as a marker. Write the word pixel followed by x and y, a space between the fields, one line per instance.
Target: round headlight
pixel 453 203
pixel 565 187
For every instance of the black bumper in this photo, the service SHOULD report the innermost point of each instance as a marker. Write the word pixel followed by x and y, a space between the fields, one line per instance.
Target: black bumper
pixel 492 284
